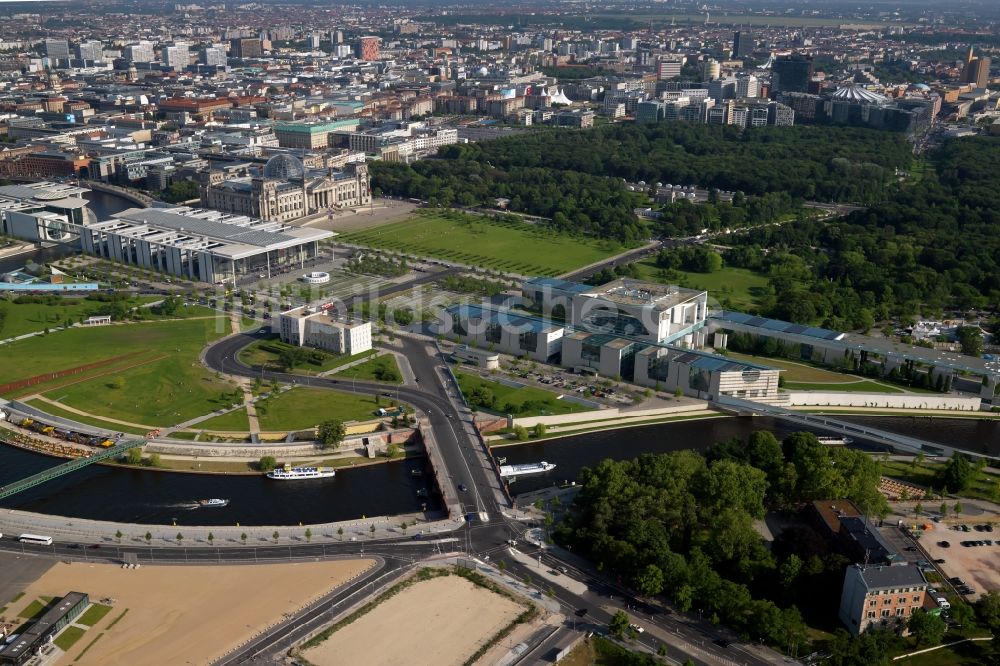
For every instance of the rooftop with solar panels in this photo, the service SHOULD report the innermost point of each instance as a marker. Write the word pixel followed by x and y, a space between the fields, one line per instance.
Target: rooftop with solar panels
pixel 626 291
pixel 222 234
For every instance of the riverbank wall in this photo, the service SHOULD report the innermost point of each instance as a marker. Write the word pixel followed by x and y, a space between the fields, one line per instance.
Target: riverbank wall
pixel 884 400
pixel 579 418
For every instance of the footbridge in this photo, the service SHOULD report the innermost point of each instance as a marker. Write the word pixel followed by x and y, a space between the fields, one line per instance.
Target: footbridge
pixel 845 428
pixel 69 466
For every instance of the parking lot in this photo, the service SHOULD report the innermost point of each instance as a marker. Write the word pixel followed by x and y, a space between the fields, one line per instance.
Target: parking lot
pixel 978 566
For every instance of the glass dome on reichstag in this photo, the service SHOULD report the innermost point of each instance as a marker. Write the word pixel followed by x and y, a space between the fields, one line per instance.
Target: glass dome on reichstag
pixel 284 167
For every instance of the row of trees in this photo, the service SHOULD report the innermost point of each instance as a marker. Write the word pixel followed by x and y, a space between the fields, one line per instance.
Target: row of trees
pixel 807 163
pixel 681 524
pixel 576 202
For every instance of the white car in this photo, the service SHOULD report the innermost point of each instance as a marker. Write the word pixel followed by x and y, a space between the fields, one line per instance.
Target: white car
pixel 636 628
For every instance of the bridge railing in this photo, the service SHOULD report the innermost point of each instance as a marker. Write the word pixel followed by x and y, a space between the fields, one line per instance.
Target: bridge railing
pixel 842 427
pixel 69 466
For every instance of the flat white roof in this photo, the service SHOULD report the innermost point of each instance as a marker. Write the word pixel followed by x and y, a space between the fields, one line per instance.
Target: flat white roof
pixel 214 232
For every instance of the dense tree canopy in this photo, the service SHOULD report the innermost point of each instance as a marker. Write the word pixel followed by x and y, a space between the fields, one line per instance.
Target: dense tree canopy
pixel 681 524
pixel 823 163
pixel 576 177
pixel 933 246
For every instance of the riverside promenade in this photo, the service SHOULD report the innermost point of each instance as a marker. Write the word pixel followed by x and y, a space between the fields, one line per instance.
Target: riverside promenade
pixel 84 531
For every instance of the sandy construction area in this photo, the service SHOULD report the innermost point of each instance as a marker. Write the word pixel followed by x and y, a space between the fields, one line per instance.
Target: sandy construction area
pixel 435 622
pixel 187 615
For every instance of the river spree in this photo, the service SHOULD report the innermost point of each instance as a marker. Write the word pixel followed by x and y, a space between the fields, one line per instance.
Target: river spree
pixel 144 496
pixel 131 495
pixel 571 454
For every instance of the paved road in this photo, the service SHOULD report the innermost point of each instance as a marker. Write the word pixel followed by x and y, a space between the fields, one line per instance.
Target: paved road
pixel 484 535
pixel 468 465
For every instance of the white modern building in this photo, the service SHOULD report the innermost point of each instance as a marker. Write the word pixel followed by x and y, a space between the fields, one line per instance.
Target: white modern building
pixel 647 311
pixel 309 326
pixel 502 331
pixel 199 244
pixel 42 211
pixel 705 375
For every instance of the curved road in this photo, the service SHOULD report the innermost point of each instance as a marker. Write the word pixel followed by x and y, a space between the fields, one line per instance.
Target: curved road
pixel 467 465
pixel 484 535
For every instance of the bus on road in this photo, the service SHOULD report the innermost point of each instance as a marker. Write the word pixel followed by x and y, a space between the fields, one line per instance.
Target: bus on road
pixel 35 538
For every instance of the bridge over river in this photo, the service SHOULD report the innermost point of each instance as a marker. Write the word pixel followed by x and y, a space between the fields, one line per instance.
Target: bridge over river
pixel 69 466
pixel 845 428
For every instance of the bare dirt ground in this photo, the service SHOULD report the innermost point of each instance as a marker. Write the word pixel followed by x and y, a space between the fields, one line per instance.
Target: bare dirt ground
pixel 186 615
pixel 435 622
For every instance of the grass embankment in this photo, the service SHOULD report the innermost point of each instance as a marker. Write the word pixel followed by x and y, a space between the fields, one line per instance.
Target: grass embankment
pixel 543 402
pixel 383 368
pixel 25 318
pixel 266 352
pixel 514 247
pixel 234 421
pixel 985 486
pixel 863 386
pixel 94 614
pixel 963 654
pixel 739 287
pixel 162 384
pixel 55 410
pixel 801 376
pixel 604 425
pixel 68 638
pixel 302 408
pixel 33 610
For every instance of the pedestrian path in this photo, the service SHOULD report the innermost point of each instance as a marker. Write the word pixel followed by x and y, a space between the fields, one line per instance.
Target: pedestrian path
pixel 74 410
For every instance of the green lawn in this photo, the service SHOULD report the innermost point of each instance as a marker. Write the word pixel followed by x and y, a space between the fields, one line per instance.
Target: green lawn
pixel 49 408
pixel 234 421
pixel 93 614
pixel 255 354
pixel 303 408
pixel 381 368
pixel 793 371
pixel 68 638
pixel 985 486
pixel 737 288
pixel 70 349
pixel 545 402
pixel 30 317
pixel 862 386
pixel 32 610
pixel 167 383
pixel 963 654
pixel 514 247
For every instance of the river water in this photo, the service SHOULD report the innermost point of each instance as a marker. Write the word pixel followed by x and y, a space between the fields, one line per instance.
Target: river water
pixel 130 495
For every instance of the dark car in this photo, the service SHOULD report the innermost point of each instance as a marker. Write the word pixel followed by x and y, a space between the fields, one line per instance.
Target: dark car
pixel 956 581
pixel 580 612
pixel 944 544
pixel 94 545
pixel 939 560
pixel 910 548
pixel 722 642
pixel 462 488
pixel 418 537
